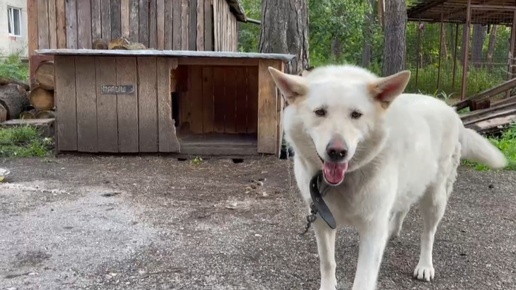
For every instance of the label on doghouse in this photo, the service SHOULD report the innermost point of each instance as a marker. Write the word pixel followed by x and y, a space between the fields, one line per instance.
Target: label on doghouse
pixel 113 89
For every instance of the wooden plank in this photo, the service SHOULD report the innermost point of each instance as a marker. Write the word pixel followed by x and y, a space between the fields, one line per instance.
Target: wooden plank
pixel 230 100
pixel 32 26
pixel 216 25
pixel 176 24
pixel 153 13
pixel 252 99
pixel 71 24
pixel 166 130
pixel 134 22
pixel 281 105
pixel 147 104
pixel 124 17
pixel 480 114
pixel 168 25
pixel 84 24
pixel 86 104
pixel 52 24
pixel 207 99
pixel 218 99
pixel 487 93
pixel 43 33
pixel 160 24
pixel 107 117
pixel 192 27
pixel 65 101
pixel 105 15
pixel 240 99
pixel 61 23
pixel 143 22
pixel 200 25
pixel 208 25
pixel 96 20
pixel 195 98
pixel 218 61
pixel 267 106
pixel 127 105
pixel 116 19
pixel 185 24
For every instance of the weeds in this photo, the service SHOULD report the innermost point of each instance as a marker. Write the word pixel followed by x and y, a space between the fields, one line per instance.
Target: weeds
pixel 23 141
pixel 13 68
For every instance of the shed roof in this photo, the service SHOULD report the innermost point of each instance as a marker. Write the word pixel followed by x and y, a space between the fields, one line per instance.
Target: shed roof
pixel 454 11
pixel 237 9
pixel 171 53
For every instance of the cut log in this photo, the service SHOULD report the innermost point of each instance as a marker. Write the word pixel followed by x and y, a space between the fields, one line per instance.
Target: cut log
pixel 3 114
pixel 14 99
pixel 42 99
pixel 118 43
pixel 6 81
pixel 100 44
pixel 45 75
pixel 46 114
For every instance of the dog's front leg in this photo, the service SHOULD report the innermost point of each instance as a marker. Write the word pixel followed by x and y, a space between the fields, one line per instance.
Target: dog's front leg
pixel 373 238
pixel 325 237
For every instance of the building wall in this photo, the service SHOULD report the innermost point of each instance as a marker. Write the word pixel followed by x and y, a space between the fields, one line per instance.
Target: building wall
pixel 13 44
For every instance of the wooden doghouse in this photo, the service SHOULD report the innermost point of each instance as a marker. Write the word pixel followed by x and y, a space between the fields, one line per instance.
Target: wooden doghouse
pixel 204 25
pixel 187 102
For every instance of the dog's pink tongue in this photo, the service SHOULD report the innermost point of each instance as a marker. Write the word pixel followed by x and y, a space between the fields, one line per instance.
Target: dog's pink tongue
pixel 334 172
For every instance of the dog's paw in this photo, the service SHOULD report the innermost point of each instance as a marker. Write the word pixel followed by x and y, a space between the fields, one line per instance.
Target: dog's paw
pixel 424 272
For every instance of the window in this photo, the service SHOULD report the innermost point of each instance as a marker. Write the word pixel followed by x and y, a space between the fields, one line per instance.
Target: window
pixel 14 19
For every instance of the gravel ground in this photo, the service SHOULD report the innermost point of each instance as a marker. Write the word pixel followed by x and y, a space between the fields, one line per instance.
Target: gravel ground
pixel 159 223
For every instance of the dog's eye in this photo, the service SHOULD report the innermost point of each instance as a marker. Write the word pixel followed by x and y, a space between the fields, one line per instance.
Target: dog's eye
pixel 320 112
pixel 356 115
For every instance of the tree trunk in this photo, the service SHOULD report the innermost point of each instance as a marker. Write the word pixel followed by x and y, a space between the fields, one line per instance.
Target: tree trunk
pixel 14 99
pixel 491 46
pixel 286 31
pixel 367 53
pixel 336 48
pixel 479 34
pixel 394 34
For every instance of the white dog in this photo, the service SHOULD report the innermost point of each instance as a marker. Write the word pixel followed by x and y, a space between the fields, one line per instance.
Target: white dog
pixel 381 151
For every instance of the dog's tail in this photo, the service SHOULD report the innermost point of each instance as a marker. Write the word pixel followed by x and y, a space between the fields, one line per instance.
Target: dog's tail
pixel 477 148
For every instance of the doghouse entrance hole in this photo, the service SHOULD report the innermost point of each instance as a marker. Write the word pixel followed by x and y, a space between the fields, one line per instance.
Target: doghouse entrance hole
pixel 216 107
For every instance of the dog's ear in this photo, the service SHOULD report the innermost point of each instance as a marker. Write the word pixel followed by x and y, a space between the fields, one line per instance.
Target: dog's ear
pixel 291 86
pixel 386 89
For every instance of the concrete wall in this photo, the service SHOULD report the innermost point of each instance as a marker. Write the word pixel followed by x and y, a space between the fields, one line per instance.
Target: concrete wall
pixel 13 44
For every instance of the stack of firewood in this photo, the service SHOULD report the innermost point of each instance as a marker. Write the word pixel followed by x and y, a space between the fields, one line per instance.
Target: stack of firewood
pixel 41 95
pixel 14 98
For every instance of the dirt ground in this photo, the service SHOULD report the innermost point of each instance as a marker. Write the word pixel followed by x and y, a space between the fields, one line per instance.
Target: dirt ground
pixel 160 223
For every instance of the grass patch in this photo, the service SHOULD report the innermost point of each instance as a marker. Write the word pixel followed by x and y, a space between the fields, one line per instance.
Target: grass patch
pixel 24 141
pixel 12 67
pixel 507 144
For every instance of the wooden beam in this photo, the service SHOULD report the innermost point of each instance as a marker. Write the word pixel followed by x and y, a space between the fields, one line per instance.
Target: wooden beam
pixel 267 108
pixel 487 93
pixel 218 61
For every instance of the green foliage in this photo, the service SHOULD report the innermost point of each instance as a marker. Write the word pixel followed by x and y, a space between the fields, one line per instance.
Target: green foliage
pixel 23 141
pixel 13 68
pixel 507 144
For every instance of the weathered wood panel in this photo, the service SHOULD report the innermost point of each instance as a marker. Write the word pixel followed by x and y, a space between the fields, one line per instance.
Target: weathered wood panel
pixel 230 100
pixel 84 24
pixel 52 24
pixel 43 27
pixel 107 117
pixel 208 26
pixel 105 15
pixel 207 99
pixel 200 25
pixel 116 19
pixel 96 19
pixel 195 99
pixel 147 104
pixel 185 21
pixel 167 134
pixel 192 26
pixel 32 26
pixel 65 103
pixel 267 108
pixel 127 105
pixel 134 21
pixel 71 24
pixel 153 13
pixel 168 29
pixel 124 17
pixel 160 24
pixel 86 104
pixel 218 99
pixel 176 24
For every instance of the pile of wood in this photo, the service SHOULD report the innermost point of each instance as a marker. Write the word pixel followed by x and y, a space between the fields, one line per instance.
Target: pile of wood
pixel 41 95
pixel 487 116
pixel 14 99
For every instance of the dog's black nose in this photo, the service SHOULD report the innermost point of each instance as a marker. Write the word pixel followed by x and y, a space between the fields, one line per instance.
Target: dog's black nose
pixel 336 150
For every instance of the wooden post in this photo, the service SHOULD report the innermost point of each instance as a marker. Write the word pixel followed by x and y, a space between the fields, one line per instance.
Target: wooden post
pixel 267 108
pixel 440 52
pixel 418 51
pixel 512 59
pixel 466 51
pixel 455 55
